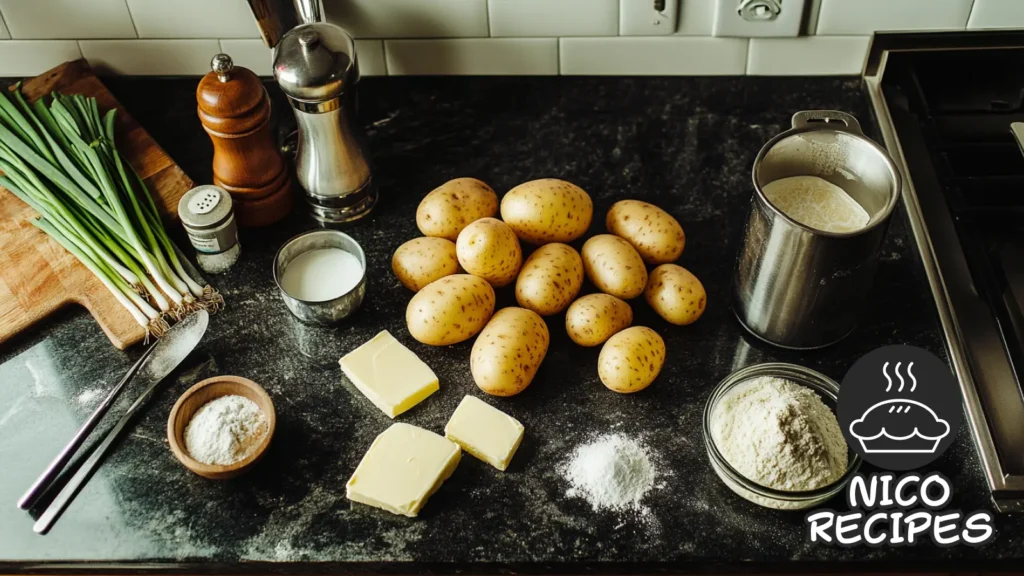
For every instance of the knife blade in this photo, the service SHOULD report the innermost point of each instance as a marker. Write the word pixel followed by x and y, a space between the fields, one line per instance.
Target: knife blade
pixel 172 349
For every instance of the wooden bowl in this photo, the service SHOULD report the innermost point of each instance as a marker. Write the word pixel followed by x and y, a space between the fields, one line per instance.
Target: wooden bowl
pixel 198 395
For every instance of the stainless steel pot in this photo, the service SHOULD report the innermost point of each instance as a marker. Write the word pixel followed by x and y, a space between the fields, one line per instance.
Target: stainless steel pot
pixel 795 286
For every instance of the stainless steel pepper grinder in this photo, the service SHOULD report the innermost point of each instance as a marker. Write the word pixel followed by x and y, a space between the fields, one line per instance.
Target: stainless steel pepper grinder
pixel 315 65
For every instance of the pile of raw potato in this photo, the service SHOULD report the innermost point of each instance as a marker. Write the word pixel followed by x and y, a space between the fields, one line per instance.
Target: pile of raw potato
pixel 461 234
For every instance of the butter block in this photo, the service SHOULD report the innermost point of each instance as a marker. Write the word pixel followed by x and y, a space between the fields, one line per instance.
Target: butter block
pixel 403 467
pixel 389 374
pixel 485 432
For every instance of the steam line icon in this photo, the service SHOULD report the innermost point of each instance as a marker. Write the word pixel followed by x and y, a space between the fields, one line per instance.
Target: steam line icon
pixel 899 425
pixel 913 379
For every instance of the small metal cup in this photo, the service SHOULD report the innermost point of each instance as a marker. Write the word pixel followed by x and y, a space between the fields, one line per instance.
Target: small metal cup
pixel 795 286
pixel 328 311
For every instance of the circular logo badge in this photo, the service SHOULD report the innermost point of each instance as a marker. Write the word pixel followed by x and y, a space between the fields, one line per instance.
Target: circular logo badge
pixel 899 407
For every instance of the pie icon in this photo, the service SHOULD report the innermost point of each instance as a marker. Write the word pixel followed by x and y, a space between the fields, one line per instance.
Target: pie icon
pixel 899 426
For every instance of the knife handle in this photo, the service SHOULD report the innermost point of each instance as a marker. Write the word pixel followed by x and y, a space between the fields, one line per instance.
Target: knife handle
pixel 82 475
pixel 40 486
pixel 74 486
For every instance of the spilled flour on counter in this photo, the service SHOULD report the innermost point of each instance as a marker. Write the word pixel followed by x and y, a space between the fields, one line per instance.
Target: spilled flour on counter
pixel 613 472
pixel 88 396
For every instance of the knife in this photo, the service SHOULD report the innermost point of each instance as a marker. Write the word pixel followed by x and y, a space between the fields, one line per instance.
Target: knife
pixel 40 486
pixel 168 353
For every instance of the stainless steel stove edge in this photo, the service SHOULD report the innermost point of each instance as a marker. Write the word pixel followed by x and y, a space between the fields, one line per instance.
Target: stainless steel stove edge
pixel 1007 490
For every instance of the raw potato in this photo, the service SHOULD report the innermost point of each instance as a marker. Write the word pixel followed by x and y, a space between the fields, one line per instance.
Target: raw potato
pixel 614 266
pixel 547 210
pixel 595 318
pixel 420 261
pixel 551 277
pixel 655 234
pixel 631 359
pixel 453 205
pixel 508 352
pixel 488 248
pixel 675 294
pixel 450 310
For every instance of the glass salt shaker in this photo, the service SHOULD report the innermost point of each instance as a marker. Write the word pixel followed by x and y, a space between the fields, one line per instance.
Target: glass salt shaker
pixel 207 215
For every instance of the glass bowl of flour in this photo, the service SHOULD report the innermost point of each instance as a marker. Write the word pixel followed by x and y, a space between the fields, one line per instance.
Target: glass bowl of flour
pixel 772 436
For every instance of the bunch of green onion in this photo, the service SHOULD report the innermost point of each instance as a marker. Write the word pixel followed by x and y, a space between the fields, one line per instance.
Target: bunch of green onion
pixel 61 160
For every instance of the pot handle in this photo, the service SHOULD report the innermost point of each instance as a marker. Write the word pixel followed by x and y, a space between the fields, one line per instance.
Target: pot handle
pixel 834 119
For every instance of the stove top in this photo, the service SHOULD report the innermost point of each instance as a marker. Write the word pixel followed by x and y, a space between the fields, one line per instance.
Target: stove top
pixel 952 113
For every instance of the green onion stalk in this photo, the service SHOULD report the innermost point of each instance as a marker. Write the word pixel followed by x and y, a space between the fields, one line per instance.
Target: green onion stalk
pixel 61 159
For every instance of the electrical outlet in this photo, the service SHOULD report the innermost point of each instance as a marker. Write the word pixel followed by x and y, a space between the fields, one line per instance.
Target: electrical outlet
pixel 648 17
pixel 758 18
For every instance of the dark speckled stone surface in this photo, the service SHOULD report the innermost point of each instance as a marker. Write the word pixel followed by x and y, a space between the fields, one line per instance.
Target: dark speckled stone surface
pixel 686 144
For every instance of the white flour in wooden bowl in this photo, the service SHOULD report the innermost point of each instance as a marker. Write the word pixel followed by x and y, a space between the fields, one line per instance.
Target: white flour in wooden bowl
pixel 225 430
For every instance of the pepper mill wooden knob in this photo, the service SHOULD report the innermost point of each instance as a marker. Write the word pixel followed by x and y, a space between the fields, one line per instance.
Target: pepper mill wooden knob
pixel 235 111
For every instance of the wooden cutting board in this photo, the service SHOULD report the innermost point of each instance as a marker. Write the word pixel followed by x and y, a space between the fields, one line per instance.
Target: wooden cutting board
pixel 37 276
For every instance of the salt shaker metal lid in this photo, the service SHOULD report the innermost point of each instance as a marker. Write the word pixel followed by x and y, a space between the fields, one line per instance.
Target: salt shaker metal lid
pixel 315 62
pixel 204 207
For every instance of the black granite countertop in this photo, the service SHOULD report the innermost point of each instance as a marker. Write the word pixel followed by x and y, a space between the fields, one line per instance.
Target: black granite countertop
pixel 686 144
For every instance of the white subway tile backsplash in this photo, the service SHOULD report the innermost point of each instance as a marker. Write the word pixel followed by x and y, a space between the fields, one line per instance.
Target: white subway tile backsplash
pixel 72 19
pixel 808 56
pixel 653 56
pixel 478 37
pixel 251 54
pixel 193 19
pixel 540 18
pixel 862 17
pixel 696 17
pixel 997 14
pixel 150 57
pixel 409 18
pixel 21 58
pixel 371 58
pixel 473 56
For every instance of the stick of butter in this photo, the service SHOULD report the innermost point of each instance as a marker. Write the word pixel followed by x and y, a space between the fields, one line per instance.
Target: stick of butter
pixel 403 467
pixel 485 432
pixel 389 374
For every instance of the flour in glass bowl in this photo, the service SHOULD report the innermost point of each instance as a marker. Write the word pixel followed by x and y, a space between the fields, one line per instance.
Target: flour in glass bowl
pixel 779 434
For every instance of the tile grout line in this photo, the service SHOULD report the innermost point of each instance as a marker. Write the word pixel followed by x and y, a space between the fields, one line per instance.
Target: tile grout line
pixel 746 65
pixel 813 11
pixel 387 66
pixel 131 18
pixel 384 55
pixel 974 4
pixel 558 55
pixel 487 17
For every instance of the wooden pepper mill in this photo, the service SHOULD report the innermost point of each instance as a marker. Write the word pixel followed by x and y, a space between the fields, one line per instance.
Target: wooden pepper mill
pixel 235 111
